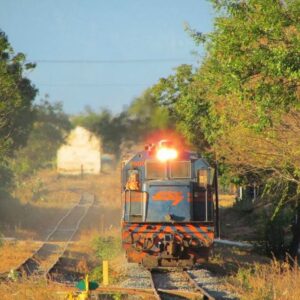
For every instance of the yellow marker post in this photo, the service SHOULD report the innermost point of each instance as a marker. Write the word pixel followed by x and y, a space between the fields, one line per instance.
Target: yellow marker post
pixel 84 295
pixel 105 272
pixel 87 285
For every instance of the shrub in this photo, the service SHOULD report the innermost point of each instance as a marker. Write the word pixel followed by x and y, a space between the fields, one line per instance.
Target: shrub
pixel 277 280
pixel 107 248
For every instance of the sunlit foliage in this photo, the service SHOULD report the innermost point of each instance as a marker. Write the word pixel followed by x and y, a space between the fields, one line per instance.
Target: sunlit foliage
pixel 243 101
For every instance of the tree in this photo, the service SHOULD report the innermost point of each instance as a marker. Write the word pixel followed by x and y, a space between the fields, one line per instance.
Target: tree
pixel 16 98
pixel 16 111
pixel 142 117
pixel 181 95
pixel 252 74
pixel 145 116
pixel 249 86
pixel 49 129
pixel 111 129
pixel 244 98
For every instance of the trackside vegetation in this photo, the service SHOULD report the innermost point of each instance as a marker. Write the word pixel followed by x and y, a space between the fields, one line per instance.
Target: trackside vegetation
pixel 241 105
pixel 277 280
pixel 17 94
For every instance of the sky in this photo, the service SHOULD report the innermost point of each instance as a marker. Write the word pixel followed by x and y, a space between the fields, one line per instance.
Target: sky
pixel 102 53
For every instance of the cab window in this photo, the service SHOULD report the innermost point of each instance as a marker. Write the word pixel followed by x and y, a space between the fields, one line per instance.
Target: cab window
pixel 180 169
pixel 155 170
pixel 133 181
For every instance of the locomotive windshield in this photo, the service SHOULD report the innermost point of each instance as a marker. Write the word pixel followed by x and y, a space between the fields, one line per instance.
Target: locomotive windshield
pixel 155 170
pixel 176 169
pixel 180 169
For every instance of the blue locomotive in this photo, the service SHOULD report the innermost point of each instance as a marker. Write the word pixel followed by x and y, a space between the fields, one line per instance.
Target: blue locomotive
pixel 168 211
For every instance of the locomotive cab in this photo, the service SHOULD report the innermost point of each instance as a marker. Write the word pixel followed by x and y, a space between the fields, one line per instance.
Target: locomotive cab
pixel 167 207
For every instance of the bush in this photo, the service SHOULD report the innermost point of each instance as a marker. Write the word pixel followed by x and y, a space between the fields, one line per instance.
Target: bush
pixel 107 248
pixel 6 175
pixel 278 280
pixel 276 235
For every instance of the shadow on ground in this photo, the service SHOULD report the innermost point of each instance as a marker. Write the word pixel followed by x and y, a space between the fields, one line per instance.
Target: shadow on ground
pixel 30 220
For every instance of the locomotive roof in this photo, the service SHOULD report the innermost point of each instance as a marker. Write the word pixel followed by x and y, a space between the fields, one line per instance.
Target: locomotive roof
pixel 147 155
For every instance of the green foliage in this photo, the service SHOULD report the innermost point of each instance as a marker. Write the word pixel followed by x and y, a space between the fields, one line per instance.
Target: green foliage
pixel 242 277
pixel 107 248
pixel 110 128
pixel 277 235
pixel 142 117
pixel 37 190
pixel 239 100
pixel 16 97
pixel 6 175
pixel 249 78
pixel 16 109
pixel 254 56
pixel 242 103
pixel 97 274
pixel 277 223
pixel 48 132
pixel 146 115
pixel 181 95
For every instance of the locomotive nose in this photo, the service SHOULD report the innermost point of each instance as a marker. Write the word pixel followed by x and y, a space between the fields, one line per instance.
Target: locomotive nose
pixel 169 202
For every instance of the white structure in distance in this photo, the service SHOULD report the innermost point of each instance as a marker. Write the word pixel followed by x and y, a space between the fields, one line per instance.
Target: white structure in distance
pixel 81 154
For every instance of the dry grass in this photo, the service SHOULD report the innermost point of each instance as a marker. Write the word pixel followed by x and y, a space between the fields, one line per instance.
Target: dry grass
pixel 32 290
pixel 13 253
pixel 273 281
pixel 48 189
pixel 227 261
pixel 38 203
pixel 115 256
pixel 226 200
pixel 255 277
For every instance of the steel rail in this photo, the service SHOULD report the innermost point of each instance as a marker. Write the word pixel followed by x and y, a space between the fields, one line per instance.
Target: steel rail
pixel 206 295
pixel 50 234
pixel 33 260
pixel 61 220
pixel 194 293
pixel 147 293
pixel 155 291
pixel 48 271
pixel 181 293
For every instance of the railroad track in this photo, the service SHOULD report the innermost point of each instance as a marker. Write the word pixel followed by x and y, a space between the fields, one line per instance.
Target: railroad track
pixel 42 262
pixel 209 285
pixel 177 284
pixel 170 284
pixel 51 262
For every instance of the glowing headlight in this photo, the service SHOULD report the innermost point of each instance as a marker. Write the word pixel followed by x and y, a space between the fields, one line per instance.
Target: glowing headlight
pixel 166 154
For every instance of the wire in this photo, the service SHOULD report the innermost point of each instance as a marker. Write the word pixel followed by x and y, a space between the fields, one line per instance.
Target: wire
pixel 92 84
pixel 112 61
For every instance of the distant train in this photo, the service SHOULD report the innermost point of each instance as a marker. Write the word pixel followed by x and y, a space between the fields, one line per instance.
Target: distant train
pixel 168 210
